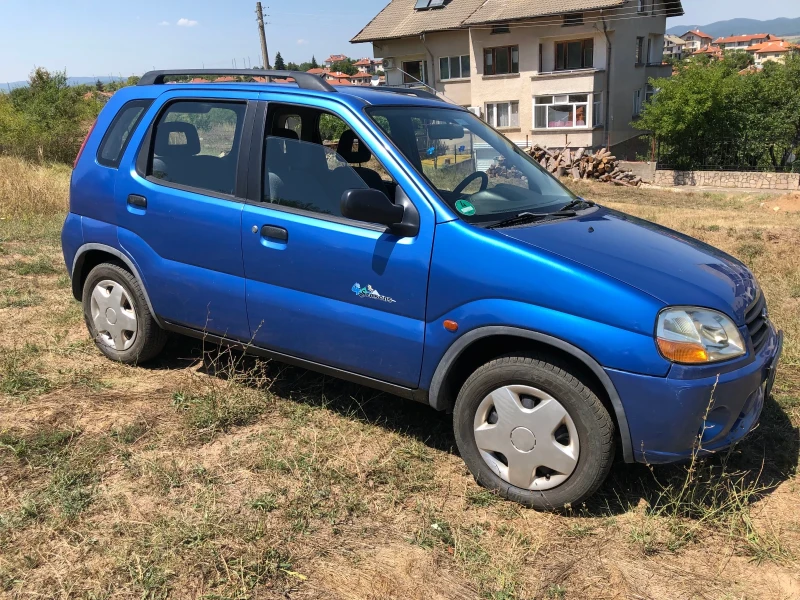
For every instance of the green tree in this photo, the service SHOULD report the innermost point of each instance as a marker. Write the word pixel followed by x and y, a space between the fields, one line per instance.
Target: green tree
pixel 293 66
pixel 345 66
pixel 279 64
pixel 710 114
pixel 98 85
pixel 738 59
pixel 314 64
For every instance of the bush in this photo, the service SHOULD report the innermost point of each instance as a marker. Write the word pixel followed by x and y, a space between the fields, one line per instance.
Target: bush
pixel 46 121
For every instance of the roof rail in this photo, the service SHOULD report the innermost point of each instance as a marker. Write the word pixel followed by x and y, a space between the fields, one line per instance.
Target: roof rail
pixel 306 81
pixel 409 92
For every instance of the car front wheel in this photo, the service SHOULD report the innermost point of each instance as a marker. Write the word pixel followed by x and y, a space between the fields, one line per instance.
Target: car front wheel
pixel 530 430
pixel 117 316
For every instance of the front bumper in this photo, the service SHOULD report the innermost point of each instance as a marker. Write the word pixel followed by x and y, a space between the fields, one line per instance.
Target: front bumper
pixel 667 416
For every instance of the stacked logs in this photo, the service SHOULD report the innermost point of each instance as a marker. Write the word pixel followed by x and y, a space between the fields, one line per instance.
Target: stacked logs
pixel 583 164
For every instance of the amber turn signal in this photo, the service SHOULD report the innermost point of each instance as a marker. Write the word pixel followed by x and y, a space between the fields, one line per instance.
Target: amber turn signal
pixel 451 325
pixel 682 352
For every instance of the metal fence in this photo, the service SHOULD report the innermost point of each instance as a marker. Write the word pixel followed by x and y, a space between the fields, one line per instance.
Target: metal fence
pixel 723 155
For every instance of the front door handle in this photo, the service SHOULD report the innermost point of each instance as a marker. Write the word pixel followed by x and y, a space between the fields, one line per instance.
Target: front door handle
pixel 137 201
pixel 272 232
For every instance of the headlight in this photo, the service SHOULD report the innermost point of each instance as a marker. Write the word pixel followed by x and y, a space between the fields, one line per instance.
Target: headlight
pixel 697 335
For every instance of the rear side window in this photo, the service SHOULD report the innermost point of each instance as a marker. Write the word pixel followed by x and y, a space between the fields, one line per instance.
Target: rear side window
pixel 119 132
pixel 196 144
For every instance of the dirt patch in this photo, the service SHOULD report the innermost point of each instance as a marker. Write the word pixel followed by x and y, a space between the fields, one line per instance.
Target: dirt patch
pixel 786 203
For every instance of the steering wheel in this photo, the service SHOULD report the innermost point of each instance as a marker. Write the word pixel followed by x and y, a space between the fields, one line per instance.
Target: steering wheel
pixel 469 178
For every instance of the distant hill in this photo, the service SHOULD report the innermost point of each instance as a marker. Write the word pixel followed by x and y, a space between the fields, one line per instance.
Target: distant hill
pixel 4 87
pixel 781 27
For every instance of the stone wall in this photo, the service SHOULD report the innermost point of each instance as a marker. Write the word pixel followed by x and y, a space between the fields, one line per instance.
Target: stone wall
pixel 729 179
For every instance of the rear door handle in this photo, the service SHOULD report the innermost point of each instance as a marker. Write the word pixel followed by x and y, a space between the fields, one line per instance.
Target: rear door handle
pixel 137 201
pixel 272 232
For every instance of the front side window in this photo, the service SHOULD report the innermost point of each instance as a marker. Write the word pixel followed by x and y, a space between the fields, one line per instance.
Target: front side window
pixel 502 114
pixel 501 61
pixel 637 103
pixel 597 110
pixel 312 176
pixel 196 144
pixel 577 54
pixel 482 175
pixel 558 112
pixel 453 67
pixel 639 50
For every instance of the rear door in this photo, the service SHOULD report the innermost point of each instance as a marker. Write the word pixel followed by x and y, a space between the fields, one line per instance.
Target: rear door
pixel 322 287
pixel 179 205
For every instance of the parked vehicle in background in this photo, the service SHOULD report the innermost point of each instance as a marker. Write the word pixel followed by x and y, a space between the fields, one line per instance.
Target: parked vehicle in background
pixel 557 331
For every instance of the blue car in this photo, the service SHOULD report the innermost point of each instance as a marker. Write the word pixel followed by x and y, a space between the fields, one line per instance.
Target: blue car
pixel 558 332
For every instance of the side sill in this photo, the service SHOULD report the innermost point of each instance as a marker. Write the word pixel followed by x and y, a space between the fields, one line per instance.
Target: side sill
pixel 391 388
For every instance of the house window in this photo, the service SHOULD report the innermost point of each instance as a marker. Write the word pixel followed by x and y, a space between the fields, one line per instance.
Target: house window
pixel 501 61
pixel 557 112
pixel 597 110
pixel 541 58
pixel 639 50
pixel 577 54
pixel 642 8
pixel 649 50
pixel 415 72
pixel 453 67
pixel 502 114
pixel 496 29
pixel 649 92
pixel 573 19
pixel 637 103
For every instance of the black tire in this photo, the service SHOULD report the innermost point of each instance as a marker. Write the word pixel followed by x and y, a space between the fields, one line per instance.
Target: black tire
pixel 149 339
pixel 594 426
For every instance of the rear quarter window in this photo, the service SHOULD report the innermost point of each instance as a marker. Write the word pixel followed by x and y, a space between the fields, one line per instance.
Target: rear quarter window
pixel 119 132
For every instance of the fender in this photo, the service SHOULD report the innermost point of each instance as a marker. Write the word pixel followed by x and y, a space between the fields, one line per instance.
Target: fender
pixel 77 263
pixel 462 343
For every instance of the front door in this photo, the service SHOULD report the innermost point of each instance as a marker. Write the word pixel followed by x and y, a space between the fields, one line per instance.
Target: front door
pixel 320 287
pixel 179 209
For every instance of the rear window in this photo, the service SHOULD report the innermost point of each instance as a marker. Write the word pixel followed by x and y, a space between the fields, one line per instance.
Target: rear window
pixel 119 132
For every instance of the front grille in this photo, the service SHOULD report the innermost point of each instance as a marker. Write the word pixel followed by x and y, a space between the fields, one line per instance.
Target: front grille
pixel 757 323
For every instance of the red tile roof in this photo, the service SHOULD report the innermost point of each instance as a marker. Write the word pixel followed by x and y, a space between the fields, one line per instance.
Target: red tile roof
pixel 335 58
pixel 770 47
pixel 698 33
pixel 745 38
pixel 318 71
pixel 363 62
pixel 709 49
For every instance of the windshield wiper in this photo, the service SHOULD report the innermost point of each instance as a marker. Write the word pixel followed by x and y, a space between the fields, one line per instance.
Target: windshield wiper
pixel 578 202
pixel 529 217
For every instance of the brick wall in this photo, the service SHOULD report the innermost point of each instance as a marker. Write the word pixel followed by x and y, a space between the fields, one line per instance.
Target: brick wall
pixel 729 179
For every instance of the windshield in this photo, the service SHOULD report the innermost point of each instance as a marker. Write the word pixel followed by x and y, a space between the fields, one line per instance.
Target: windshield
pixel 482 175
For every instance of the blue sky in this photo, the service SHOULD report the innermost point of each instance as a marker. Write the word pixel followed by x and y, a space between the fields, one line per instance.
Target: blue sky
pixel 93 37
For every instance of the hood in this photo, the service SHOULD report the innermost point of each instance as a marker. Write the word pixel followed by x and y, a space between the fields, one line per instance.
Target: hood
pixel 672 267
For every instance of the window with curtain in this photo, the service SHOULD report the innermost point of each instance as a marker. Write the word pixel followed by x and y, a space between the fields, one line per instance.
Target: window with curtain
pixel 502 114
pixel 563 111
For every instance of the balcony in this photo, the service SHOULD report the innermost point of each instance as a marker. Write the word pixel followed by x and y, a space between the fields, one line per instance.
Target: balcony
pixel 658 70
pixel 577 81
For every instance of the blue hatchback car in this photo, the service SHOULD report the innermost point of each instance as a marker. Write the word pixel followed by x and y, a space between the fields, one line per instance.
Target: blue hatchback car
pixel 424 255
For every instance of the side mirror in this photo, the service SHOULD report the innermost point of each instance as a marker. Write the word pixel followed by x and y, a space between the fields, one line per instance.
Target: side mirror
pixel 372 206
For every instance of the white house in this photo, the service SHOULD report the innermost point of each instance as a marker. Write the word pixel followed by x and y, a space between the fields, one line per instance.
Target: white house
pixel 567 73
pixel 695 40
pixel 673 47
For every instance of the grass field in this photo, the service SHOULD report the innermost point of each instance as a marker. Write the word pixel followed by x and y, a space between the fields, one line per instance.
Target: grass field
pixel 209 475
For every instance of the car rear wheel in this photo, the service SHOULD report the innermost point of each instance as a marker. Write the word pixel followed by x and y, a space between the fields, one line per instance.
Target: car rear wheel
pixel 117 316
pixel 530 430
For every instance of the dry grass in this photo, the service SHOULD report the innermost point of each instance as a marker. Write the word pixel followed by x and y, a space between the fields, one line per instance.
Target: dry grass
pixel 210 475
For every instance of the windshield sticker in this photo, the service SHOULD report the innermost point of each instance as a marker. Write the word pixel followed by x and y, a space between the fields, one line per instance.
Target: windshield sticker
pixel 465 207
pixel 370 292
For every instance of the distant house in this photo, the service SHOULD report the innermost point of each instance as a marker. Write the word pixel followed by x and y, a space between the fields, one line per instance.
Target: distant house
pixel 673 47
pixel 561 73
pixel 774 51
pixel 361 78
pixel 710 50
pixel 743 42
pixel 334 58
pixel 367 65
pixel 695 39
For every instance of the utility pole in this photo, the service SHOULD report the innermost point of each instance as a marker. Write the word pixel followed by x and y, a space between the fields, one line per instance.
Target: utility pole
pixel 260 19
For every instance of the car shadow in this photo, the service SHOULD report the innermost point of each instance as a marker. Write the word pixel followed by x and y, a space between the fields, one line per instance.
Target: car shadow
pixel 752 469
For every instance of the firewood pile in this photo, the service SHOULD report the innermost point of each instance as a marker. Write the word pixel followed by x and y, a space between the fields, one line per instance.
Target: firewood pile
pixel 582 164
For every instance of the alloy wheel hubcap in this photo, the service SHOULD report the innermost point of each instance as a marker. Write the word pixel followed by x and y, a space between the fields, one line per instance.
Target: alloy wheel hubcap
pixel 526 437
pixel 113 315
